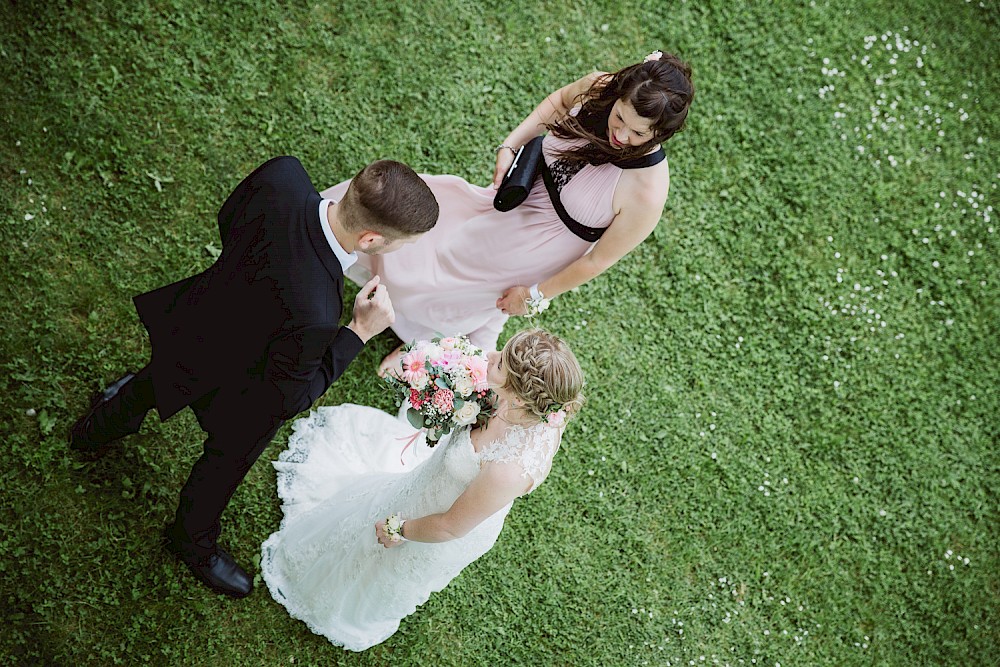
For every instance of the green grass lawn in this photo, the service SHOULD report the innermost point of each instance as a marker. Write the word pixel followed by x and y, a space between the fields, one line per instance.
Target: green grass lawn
pixel 789 451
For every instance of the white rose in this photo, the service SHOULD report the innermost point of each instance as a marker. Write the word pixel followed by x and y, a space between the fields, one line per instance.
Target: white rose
pixel 467 413
pixel 421 382
pixel 463 385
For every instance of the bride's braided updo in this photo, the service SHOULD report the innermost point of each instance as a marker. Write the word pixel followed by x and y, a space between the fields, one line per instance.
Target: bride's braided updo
pixel 543 373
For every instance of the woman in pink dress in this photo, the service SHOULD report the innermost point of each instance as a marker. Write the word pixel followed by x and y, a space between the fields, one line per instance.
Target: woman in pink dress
pixel 478 265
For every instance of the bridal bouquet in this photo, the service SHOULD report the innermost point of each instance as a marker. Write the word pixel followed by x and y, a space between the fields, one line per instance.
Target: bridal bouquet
pixel 444 380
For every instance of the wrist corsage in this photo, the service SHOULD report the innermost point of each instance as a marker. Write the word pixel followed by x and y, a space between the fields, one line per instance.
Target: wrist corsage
pixel 394 528
pixel 537 302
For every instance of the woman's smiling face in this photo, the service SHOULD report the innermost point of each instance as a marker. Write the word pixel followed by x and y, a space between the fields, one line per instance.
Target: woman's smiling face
pixel 626 127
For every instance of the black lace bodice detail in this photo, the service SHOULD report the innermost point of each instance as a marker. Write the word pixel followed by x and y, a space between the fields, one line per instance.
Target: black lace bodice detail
pixel 564 170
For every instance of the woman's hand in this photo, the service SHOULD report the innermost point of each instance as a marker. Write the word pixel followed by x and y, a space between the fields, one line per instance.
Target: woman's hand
pixel 505 158
pixel 513 300
pixel 383 537
pixel 553 108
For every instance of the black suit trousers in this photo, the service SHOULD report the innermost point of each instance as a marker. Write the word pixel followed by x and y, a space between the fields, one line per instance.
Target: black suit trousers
pixel 235 441
pixel 234 444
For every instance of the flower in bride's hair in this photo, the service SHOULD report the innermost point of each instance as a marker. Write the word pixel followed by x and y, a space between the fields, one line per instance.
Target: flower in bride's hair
pixel 467 414
pixel 655 55
pixel 557 418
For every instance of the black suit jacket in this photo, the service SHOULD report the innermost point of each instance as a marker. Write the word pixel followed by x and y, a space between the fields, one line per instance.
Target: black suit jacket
pixel 263 320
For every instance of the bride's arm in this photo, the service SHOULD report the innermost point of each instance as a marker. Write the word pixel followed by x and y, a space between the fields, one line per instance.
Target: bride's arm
pixel 496 486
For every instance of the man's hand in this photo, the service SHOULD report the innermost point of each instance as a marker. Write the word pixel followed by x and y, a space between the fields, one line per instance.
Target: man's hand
pixel 373 311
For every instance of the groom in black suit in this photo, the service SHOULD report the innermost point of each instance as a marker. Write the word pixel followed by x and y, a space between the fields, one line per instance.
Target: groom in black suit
pixel 255 339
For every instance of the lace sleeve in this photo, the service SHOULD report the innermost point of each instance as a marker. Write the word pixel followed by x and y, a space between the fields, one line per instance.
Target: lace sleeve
pixel 532 448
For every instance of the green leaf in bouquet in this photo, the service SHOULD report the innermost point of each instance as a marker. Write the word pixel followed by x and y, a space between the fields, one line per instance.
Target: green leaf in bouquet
pixel 415 418
pixel 458 403
pixel 441 383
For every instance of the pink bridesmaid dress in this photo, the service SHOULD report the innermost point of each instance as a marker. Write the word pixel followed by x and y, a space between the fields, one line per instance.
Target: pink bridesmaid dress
pixel 448 282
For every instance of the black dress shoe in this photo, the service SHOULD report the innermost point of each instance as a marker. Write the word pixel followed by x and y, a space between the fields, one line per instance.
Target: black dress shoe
pixel 219 571
pixel 82 435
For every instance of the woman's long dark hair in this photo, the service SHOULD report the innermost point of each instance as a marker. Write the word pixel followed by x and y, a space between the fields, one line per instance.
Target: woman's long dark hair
pixel 660 90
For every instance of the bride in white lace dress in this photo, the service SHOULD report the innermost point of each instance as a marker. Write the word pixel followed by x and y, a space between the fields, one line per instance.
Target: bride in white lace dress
pixel 334 565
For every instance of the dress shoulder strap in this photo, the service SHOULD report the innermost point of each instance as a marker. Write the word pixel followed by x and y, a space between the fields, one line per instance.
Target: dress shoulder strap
pixel 589 234
pixel 642 161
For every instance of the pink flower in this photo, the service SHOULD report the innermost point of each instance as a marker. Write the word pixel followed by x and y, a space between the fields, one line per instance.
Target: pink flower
pixel 556 418
pixel 448 359
pixel 414 372
pixel 432 351
pixel 449 343
pixel 415 399
pixel 443 400
pixel 413 360
pixel 477 367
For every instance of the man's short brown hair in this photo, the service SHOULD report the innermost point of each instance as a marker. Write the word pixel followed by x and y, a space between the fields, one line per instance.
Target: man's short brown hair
pixel 387 197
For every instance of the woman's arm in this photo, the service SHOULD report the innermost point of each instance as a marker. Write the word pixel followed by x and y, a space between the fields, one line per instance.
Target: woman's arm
pixel 553 107
pixel 496 486
pixel 641 205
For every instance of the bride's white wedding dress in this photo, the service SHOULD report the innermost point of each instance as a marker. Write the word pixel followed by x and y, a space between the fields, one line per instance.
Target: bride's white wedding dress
pixel 340 474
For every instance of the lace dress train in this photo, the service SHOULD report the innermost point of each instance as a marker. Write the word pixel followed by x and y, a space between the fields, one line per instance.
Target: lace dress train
pixel 342 472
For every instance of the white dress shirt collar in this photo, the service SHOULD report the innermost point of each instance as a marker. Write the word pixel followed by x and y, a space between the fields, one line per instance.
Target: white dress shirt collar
pixel 346 259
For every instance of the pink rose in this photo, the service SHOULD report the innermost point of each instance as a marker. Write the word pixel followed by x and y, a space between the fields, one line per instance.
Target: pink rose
pixel 449 343
pixel 477 367
pixel 443 400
